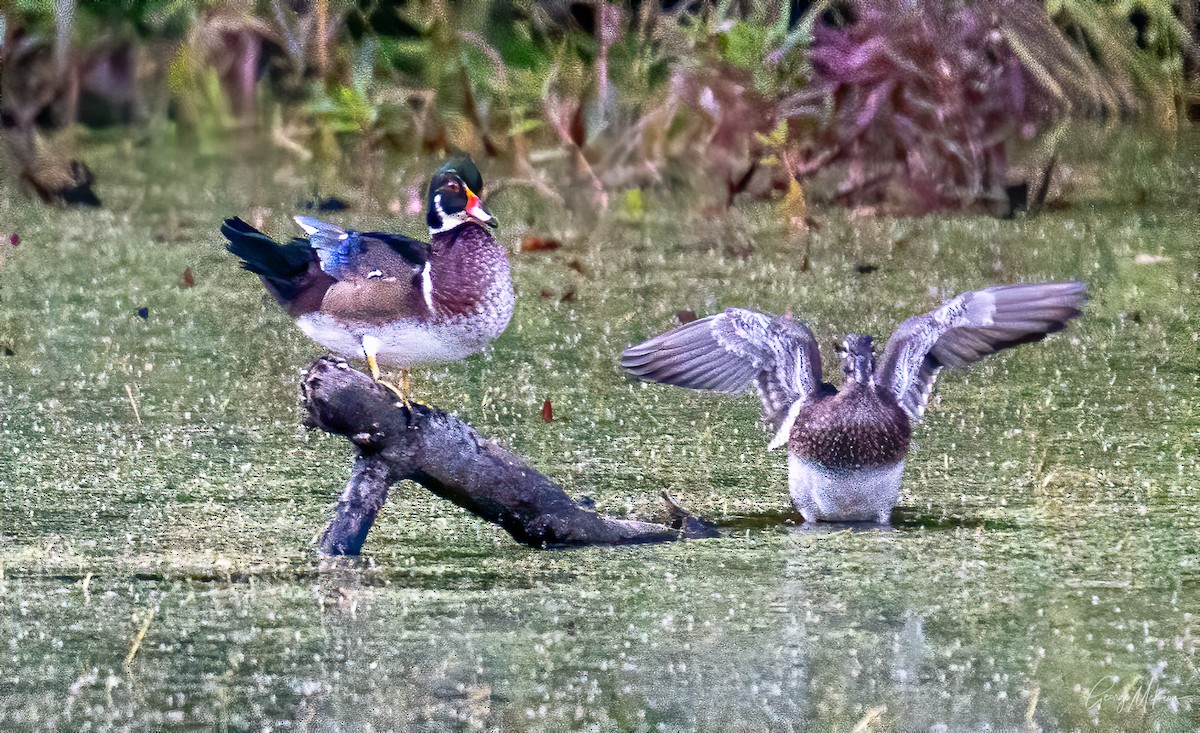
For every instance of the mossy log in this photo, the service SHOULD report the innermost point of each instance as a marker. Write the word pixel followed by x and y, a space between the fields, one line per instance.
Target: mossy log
pixel 394 442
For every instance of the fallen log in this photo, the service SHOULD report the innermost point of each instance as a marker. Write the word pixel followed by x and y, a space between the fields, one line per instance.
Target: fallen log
pixel 394 442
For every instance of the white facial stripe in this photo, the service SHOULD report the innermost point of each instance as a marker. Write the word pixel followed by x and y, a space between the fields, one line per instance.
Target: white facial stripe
pixel 449 221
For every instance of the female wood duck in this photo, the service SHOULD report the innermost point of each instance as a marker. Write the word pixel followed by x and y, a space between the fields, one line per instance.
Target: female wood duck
pixel 386 297
pixel 846 447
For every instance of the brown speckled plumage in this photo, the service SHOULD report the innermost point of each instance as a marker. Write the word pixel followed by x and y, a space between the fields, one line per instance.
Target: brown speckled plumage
pixel 859 427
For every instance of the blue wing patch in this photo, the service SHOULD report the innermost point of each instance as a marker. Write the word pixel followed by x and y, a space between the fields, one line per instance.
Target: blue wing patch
pixel 346 253
pixel 336 247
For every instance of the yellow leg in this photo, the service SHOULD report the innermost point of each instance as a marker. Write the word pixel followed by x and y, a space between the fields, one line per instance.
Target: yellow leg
pixel 406 388
pixel 401 392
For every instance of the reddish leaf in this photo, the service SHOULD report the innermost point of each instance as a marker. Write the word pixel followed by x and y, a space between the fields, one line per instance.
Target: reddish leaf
pixel 534 243
pixel 189 280
pixel 547 412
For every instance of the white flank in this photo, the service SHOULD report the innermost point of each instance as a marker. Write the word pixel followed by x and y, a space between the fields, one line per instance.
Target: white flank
pixel 371 345
pixel 821 494
pixel 402 344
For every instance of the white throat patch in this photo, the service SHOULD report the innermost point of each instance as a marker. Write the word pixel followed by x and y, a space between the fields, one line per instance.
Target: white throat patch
pixel 449 221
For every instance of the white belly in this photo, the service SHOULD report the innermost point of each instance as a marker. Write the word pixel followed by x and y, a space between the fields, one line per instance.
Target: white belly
pixel 822 494
pixel 401 344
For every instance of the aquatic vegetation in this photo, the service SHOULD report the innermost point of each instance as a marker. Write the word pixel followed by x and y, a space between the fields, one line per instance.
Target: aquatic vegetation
pixel 1143 50
pixel 925 99
pixel 905 107
pixel 1039 570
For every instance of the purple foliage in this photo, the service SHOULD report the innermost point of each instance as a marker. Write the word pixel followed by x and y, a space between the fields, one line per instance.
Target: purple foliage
pixel 925 95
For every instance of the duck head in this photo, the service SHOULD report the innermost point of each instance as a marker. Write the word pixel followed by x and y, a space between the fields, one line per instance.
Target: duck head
pixel 454 197
pixel 858 359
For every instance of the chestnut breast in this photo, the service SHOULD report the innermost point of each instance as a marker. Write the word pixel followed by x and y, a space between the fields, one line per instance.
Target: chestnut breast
pixel 467 263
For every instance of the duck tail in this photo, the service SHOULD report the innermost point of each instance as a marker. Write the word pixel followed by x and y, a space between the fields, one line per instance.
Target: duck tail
pixel 286 269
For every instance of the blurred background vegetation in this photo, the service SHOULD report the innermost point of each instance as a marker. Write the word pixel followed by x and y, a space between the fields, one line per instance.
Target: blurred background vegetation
pixel 887 106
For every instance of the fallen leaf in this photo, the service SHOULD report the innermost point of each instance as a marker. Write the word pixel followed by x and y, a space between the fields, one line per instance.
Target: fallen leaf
pixel 567 296
pixel 577 266
pixel 685 316
pixel 547 412
pixel 15 239
pixel 189 280
pixel 534 243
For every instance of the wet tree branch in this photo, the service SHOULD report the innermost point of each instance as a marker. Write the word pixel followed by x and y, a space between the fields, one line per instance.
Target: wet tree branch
pixel 445 455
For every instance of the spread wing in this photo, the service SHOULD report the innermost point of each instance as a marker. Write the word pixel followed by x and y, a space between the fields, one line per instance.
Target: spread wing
pixel 728 351
pixel 966 329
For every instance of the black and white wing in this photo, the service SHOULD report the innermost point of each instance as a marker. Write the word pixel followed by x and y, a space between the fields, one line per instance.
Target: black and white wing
pixel 966 329
pixel 727 351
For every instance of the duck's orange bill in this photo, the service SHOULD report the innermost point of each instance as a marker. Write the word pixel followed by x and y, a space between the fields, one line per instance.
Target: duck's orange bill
pixel 476 211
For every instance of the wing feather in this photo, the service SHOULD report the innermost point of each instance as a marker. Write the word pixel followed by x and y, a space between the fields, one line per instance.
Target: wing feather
pixel 966 329
pixel 728 351
pixel 350 255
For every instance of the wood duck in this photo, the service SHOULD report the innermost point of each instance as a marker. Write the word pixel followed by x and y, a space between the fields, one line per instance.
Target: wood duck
pixel 846 447
pixel 389 298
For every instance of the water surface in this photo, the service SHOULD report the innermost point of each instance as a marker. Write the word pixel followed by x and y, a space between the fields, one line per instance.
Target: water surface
pixel 1044 570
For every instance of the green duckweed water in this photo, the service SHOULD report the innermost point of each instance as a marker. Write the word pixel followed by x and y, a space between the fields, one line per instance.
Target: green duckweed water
pixel 1045 571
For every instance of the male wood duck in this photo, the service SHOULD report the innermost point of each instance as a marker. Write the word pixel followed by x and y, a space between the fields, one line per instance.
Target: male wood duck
pixel 389 298
pixel 846 447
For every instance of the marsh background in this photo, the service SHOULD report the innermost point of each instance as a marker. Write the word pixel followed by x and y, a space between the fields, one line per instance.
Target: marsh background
pixel 852 162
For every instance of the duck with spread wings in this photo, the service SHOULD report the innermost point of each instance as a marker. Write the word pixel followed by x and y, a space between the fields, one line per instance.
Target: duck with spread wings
pixel 846 447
